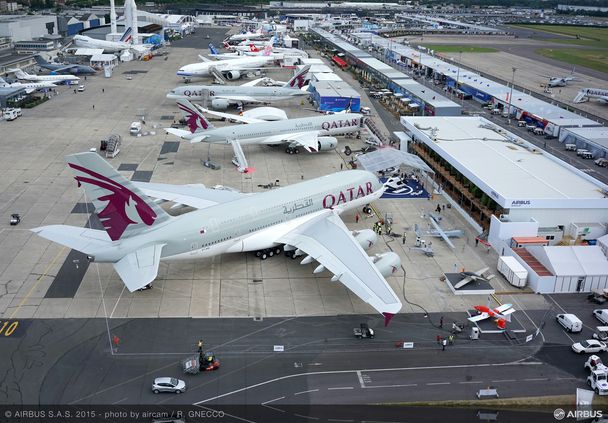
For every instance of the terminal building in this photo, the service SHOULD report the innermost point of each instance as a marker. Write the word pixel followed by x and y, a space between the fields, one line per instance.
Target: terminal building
pixel 523 201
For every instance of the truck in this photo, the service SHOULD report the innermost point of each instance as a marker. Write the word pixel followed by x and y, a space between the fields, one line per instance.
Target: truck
pixel 601 162
pixel 598 375
pixel 363 331
pixel 513 271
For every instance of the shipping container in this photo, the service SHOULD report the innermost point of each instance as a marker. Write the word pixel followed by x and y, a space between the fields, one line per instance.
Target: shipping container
pixel 513 271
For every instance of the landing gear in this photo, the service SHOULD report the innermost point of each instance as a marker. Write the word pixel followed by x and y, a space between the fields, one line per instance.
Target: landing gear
pixel 268 252
pixel 292 150
pixel 291 254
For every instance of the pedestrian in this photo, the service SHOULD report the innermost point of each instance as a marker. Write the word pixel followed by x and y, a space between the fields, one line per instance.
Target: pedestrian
pixel 93 107
pixel 441 322
pixel 85 77
pixel 476 242
pixel 103 90
pixel 443 207
pixel 403 239
pixel 443 344
pixel 357 218
pixel 451 339
pixel 438 209
pixel 74 91
pixel 341 166
pixel 438 339
pixel 380 230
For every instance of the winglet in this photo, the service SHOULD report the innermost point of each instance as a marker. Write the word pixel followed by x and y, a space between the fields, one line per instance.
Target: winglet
pixel 387 317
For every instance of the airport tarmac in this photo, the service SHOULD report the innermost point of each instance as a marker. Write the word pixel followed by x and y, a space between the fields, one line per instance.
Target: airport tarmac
pixel 41 279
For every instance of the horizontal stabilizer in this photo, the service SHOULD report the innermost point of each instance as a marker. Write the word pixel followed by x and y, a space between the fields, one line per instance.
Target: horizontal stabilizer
pixel 87 241
pixel 140 267
pixel 181 133
pixel 479 317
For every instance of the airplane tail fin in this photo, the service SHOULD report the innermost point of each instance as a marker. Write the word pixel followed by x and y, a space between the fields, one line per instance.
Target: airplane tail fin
pixel 39 60
pixel 2 81
pixel 267 50
pixel 299 78
pixel 127 36
pixel 123 209
pixel 253 48
pixel 196 120
pixel 212 49
pixel 19 73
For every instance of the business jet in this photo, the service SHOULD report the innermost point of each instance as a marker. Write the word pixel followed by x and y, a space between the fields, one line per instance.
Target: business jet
pixel 300 219
pixel 29 86
pixel 222 96
pixel 24 76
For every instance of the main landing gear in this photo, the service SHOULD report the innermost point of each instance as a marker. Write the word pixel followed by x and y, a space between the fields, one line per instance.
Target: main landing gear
pixel 268 252
pixel 292 150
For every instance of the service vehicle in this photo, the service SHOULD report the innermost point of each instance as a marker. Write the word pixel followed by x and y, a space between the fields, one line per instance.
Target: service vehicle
pixel 363 331
pixel 570 322
pixel 135 128
pixel 601 162
pixel 15 219
pixel 594 363
pixel 570 147
pixel 168 384
pixel 589 346
pixel 81 88
pixel 601 333
pixel 601 315
pixel 598 381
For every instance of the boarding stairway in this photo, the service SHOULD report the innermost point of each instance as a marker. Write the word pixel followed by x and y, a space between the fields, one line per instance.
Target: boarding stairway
pixel 375 132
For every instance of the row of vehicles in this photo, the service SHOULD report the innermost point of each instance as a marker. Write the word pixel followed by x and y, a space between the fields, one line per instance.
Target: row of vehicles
pixel 10 114
pixel 583 153
pixel 573 324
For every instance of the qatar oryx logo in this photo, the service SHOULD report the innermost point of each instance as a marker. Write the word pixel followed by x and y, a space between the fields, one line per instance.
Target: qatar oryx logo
pixel 194 120
pixel 123 207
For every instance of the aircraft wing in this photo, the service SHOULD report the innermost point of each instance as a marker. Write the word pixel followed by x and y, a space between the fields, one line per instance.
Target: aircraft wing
pixel 197 196
pixel 505 309
pixel 65 68
pixel 238 118
pixel 463 282
pixel 204 59
pixel 309 140
pixel 326 239
pixel 254 82
pixel 241 98
pixel 442 233
pixel 479 317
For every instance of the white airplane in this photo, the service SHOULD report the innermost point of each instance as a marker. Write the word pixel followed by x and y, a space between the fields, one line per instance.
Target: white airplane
pixel 22 75
pixel 248 36
pixel 587 93
pixel 124 43
pixel 268 50
pixel 502 314
pixel 222 96
pixel 300 219
pixel 311 133
pixel 229 68
pixel 29 86
pixel 468 277
pixel 559 81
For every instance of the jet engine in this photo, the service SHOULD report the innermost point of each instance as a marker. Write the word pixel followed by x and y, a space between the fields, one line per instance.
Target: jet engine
pixel 220 103
pixel 366 238
pixel 230 75
pixel 327 143
pixel 387 263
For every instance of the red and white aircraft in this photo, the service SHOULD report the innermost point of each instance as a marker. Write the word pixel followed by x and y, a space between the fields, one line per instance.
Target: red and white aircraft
pixel 501 313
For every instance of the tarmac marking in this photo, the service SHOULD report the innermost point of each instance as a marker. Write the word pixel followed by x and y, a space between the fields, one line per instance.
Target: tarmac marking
pixel 306 392
pixel 332 372
pixel 340 387
pixel 340 420
pixel 391 386
pixel 360 379
pixel 535 379
pixel 272 400
pixel 118 300
pixel 306 417
pixel 503 380
pixel 438 383
pixel 37 282
pixel 273 408
pixel 471 382
pixel 119 401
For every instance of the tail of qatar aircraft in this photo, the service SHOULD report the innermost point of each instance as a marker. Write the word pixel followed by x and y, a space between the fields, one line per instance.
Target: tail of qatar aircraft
pixel 124 212
pixel 195 120
pixel 299 79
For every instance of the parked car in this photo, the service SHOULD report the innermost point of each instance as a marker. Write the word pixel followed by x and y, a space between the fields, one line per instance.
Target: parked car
pixel 601 315
pixel 589 346
pixel 81 88
pixel 168 384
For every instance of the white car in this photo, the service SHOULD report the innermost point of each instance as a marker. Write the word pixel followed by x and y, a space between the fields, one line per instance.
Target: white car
pixel 81 88
pixel 168 384
pixel 601 315
pixel 589 346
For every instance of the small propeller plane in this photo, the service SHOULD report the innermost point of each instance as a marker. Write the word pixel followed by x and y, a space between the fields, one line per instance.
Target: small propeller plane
pixel 502 314
pixel 471 276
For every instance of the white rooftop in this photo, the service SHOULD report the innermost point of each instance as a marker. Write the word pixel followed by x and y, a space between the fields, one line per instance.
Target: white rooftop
pixel 507 170
pixel 578 260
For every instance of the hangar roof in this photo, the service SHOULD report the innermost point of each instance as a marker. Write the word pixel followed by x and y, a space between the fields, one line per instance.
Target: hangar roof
pixel 506 167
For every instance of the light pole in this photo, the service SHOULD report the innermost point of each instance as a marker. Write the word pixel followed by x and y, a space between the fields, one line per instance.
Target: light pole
pixel 458 73
pixel 511 95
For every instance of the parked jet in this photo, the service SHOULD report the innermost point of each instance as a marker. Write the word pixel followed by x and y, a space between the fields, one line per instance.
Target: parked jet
pixel 559 81
pixel 223 96
pixel 248 36
pixel 245 45
pixel 268 50
pixel 229 68
pixel 22 75
pixel 587 93
pixel 124 43
pixel 311 133
pixel 29 86
pixel 70 68
pixel 302 219
pixel 468 277
pixel 502 314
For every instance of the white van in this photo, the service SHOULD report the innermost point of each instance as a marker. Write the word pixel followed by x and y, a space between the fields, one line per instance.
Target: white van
pixel 135 128
pixel 587 155
pixel 570 322
pixel 570 147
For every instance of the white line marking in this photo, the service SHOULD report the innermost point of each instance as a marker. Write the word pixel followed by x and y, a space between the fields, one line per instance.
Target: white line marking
pixel 340 387
pixel 306 417
pixel 273 408
pixel 472 381
pixel 339 420
pixel 536 379
pixel 305 392
pixel 503 380
pixel 330 372
pixel 438 383
pixel 566 378
pixel 272 400
pixel 391 386
pixel 360 378
pixel 119 401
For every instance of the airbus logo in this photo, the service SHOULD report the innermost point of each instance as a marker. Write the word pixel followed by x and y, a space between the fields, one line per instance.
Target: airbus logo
pixel 517 203
pixel 349 194
pixel 336 124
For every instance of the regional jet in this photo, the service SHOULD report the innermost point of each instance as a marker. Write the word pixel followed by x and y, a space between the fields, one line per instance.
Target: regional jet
pixel 24 76
pixel 223 96
pixel 311 133
pixel 300 219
